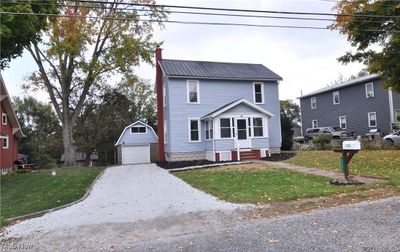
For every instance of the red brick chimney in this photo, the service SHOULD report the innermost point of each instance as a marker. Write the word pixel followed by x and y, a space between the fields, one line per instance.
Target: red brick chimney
pixel 160 105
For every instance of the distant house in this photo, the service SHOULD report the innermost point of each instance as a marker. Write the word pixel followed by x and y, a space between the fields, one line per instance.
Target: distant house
pixel 358 106
pixel 10 130
pixel 137 144
pixel 216 111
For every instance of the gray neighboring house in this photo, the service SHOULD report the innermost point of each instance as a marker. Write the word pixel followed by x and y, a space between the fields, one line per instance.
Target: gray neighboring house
pixel 137 144
pixel 358 106
pixel 216 111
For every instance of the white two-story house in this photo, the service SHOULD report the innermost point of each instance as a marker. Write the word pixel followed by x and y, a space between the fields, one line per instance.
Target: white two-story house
pixel 216 111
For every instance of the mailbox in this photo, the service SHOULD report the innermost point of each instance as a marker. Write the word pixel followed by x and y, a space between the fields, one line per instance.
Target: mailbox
pixel 351 145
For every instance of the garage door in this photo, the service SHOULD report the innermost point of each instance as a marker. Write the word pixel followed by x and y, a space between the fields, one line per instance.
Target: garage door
pixel 136 154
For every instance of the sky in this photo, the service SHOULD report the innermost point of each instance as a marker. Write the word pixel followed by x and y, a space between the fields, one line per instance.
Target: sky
pixel 306 59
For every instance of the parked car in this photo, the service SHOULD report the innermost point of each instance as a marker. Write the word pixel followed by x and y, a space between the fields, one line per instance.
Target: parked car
pixel 393 138
pixel 334 132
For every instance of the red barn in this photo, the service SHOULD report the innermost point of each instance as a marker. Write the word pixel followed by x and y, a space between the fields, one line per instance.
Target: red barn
pixel 10 130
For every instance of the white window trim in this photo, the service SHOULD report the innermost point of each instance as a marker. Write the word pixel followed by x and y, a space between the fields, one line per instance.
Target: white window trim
pixel 139 133
pixel 164 96
pixel 262 92
pixel 369 120
pixel 210 127
pixel 4 115
pixel 165 132
pixel 395 117
pixel 252 127
pixel 311 101
pixel 333 97
pixel 230 127
pixel 366 90
pixel 7 141
pixel 197 90
pixel 198 129
pixel 312 124
pixel 340 121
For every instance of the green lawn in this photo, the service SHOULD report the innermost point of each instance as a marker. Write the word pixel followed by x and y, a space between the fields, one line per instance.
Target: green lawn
pixel 24 193
pixel 382 164
pixel 254 184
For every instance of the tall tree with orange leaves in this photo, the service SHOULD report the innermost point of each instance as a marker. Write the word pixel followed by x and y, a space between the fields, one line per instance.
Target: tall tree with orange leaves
pixel 373 27
pixel 87 44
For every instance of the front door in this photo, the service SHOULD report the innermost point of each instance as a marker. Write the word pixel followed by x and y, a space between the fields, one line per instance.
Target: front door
pixel 242 133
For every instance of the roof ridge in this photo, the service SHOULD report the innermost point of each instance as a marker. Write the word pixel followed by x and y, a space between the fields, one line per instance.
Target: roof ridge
pixel 207 61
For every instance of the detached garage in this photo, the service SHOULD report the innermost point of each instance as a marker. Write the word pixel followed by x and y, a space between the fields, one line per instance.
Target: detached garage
pixel 137 144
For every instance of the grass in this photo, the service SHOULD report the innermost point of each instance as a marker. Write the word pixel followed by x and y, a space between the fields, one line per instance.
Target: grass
pixel 252 184
pixel 24 193
pixel 379 163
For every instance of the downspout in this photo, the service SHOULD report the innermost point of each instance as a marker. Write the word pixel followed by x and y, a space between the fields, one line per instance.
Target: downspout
pixel 214 153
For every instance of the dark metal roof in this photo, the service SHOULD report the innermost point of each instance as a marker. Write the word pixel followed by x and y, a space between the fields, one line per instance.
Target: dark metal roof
pixel 217 70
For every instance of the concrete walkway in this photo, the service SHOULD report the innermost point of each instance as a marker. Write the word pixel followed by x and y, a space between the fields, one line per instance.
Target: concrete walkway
pixel 318 172
pixel 125 194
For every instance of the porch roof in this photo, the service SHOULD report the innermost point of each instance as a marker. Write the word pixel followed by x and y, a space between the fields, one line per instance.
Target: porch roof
pixel 233 104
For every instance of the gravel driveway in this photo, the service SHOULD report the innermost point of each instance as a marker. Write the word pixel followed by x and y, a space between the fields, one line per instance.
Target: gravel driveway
pixel 125 194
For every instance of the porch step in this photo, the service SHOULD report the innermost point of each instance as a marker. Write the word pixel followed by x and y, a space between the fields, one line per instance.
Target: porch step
pixel 247 155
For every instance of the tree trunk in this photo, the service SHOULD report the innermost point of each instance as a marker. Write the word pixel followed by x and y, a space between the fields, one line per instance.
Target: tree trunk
pixel 69 147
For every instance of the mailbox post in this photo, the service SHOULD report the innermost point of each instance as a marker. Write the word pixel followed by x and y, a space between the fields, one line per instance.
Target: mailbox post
pixel 349 148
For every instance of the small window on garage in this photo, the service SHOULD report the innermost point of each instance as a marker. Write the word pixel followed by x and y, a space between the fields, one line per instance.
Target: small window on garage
pixel 138 130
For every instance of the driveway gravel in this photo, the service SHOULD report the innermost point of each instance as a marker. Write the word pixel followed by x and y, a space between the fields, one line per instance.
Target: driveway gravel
pixel 126 194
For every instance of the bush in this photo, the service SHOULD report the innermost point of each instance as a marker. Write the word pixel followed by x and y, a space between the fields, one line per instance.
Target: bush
pixel 377 144
pixel 322 142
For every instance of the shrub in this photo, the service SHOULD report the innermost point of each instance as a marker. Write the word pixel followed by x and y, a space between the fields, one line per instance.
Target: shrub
pixel 322 142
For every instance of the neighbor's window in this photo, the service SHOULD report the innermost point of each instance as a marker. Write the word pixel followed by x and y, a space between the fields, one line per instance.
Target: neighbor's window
pixel 369 90
pixel 165 132
pixel 258 92
pixel 209 129
pixel 138 130
pixel 343 122
pixel 4 142
pixel 313 102
pixel 4 118
pixel 258 127
pixel 314 124
pixel 193 91
pixel 336 97
pixel 397 116
pixel 372 119
pixel 194 126
pixel 225 125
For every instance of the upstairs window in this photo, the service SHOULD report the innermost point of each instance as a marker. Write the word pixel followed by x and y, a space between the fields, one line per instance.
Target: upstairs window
pixel 194 130
pixel 336 97
pixel 313 102
pixel 209 130
pixel 258 127
pixel 258 90
pixel 343 122
pixel 4 118
pixel 193 94
pixel 138 130
pixel 369 90
pixel 314 124
pixel 372 119
pixel 225 126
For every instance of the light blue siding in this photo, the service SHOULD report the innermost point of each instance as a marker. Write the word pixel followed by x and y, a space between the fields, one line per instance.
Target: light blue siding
pixel 209 145
pixel 260 142
pixel 241 109
pixel 138 139
pixel 213 95
pixel 224 144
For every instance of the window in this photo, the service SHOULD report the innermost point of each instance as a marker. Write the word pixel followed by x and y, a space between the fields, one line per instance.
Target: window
pixel 343 122
pixel 258 89
pixel 372 119
pixel 193 95
pixel 326 130
pixel 369 90
pixel 336 97
pixel 258 127
pixel 4 142
pixel 164 97
pixel 313 102
pixel 165 132
pixel 4 118
pixel 314 123
pixel 138 130
pixel 225 125
pixel 194 130
pixel 397 116
pixel 249 126
pixel 209 130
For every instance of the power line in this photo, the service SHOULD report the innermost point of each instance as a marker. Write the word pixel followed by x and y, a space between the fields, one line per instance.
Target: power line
pixel 235 10
pixel 189 22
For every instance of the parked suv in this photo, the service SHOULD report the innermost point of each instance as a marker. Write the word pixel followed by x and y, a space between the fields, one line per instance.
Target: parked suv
pixel 334 132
